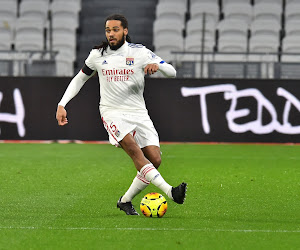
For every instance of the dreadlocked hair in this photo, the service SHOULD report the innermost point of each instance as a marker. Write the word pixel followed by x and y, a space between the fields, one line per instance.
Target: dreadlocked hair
pixel 124 24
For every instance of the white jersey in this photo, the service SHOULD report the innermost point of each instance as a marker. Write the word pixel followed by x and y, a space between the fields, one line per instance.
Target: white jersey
pixel 121 75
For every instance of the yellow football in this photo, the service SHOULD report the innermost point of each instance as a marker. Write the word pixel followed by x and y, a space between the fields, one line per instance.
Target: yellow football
pixel 153 205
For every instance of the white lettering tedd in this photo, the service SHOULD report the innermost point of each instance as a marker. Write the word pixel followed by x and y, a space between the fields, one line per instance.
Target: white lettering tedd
pixel 256 126
pixel 17 118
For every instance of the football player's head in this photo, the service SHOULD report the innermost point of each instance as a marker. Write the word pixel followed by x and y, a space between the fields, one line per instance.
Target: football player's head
pixel 116 31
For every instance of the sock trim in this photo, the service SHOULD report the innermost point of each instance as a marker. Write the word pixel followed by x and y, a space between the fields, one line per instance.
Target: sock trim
pixel 141 178
pixel 146 169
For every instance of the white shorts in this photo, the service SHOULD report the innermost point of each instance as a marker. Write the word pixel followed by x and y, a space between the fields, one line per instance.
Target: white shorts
pixel 140 126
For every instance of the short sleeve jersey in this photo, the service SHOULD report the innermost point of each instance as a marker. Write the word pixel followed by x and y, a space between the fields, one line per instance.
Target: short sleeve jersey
pixel 121 76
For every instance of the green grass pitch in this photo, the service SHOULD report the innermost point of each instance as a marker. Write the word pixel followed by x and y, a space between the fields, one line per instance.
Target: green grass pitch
pixel 63 196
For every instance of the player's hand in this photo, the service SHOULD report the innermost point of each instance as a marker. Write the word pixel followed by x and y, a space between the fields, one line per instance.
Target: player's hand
pixel 61 116
pixel 151 69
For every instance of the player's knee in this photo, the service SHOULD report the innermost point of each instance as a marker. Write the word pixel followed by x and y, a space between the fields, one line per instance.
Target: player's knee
pixel 156 161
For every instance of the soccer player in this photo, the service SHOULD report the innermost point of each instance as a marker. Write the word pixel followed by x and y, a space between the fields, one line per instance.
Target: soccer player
pixel 121 67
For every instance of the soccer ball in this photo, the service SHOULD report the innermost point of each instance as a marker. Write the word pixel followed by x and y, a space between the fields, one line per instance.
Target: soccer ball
pixel 153 205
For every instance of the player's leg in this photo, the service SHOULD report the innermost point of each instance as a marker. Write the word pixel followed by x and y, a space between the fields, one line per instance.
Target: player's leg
pixel 149 172
pixel 143 160
pixel 139 183
pixel 146 173
pixel 153 154
pixel 143 165
pixel 117 127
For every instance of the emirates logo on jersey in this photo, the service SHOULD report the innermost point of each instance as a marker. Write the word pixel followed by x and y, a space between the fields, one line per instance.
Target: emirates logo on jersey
pixel 129 61
pixel 117 74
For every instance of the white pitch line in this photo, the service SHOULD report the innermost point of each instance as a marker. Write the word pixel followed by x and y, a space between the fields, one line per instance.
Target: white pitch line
pixel 152 229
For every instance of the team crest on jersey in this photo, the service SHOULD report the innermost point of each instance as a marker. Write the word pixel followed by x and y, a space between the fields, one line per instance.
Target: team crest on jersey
pixel 129 61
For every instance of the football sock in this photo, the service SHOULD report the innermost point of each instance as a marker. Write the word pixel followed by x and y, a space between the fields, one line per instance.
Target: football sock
pixel 150 173
pixel 139 183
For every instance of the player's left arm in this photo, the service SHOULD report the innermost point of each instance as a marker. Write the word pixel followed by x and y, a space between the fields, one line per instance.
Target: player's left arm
pixel 165 68
pixel 153 63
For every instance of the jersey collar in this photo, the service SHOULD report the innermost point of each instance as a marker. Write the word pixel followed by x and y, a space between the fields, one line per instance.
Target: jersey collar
pixel 121 50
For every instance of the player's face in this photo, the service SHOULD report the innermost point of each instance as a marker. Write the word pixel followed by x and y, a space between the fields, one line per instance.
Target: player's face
pixel 115 34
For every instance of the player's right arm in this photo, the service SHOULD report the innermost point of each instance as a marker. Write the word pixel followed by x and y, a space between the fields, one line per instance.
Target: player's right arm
pixel 74 87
